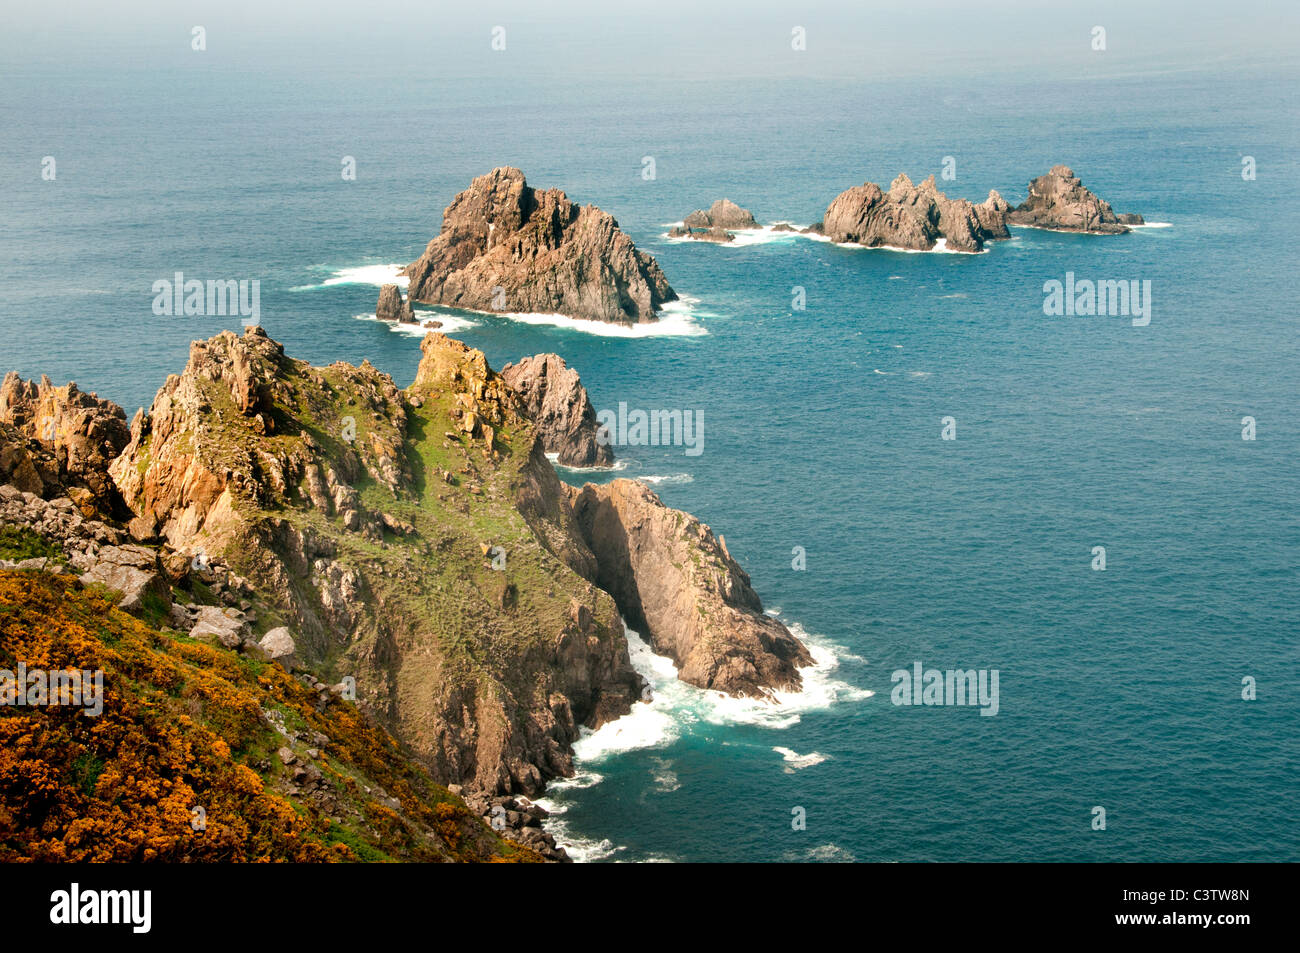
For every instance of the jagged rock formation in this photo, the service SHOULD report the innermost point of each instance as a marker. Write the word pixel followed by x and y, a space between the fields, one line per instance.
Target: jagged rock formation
pixel 558 403
pixel 713 225
pixel 723 213
pixel 1058 200
pixel 505 246
pixel 61 440
pixel 392 306
pixel 334 493
pixel 913 217
pixel 676 583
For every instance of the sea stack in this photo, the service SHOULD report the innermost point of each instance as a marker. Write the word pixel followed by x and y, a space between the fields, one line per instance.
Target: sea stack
pixel 913 217
pixel 1059 200
pixel 392 307
pixel 505 246
pixel 558 403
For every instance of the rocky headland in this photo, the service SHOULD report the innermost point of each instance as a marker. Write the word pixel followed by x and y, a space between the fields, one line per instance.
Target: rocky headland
pixel 505 246
pixel 1059 201
pixel 407 557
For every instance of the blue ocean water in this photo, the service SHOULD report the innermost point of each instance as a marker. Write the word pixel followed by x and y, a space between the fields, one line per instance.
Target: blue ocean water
pixel 1119 689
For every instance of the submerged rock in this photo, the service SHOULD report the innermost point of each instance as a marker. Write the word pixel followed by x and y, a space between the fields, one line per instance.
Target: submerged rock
pixel 505 246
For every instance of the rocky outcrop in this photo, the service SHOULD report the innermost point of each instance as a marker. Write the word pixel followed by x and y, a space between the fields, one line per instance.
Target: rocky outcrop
pixel 392 306
pixel 558 403
pixel 72 436
pixel 713 225
pixel 913 217
pixel 723 213
pixel 1059 200
pixel 505 246
pixel 259 460
pixel 417 541
pixel 135 572
pixel 675 582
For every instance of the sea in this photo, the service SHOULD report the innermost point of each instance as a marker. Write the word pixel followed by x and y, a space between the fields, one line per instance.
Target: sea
pixel 915 463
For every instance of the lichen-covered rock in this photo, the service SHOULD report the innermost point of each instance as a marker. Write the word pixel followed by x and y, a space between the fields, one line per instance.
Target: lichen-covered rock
pixel 135 572
pixel 279 646
pixel 505 246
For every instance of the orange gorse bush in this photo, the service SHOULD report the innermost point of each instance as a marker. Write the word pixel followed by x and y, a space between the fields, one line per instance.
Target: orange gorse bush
pixel 182 727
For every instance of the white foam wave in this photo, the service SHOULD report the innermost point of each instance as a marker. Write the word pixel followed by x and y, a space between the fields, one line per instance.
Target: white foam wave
pixel 1153 225
pixel 613 467
pixel 656 480
pixel 362 275
pixel 940 248
pixel 823 853
pixel 797 762
pixel 676 319
pixel 672 710
pixel 450 323
pixel 746 237
pixel 665 777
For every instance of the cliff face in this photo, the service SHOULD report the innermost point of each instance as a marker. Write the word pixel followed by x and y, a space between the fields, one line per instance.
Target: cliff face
pixel 558 403
pixel 1058 200
pixel 914 217
pixel 676 583
pixel 505 246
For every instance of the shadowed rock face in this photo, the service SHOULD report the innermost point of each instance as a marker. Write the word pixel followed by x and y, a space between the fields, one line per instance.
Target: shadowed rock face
pixel 505 246
pixel 558 403
pixel 392 307
pixel 913 217
pixel 1059 200
pixel 675 582
pixel 70 438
